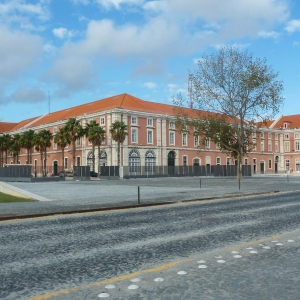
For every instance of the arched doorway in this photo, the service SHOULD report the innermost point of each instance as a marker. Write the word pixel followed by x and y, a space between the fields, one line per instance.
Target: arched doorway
pixel 103 158
pixel 90 159
pixel 171 162
pixel 55 168
pixel 150 161
pixel 134 161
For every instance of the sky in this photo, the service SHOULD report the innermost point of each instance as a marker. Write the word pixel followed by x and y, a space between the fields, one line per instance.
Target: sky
pixel 77 51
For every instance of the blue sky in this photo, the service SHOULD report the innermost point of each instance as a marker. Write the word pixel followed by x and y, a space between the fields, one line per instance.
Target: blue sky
pixel 83 50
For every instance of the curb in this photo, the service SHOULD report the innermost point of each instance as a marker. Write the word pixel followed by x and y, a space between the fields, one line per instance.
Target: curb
pixel 7 218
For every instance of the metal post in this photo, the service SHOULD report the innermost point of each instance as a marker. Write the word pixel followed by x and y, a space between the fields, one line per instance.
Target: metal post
pixel 200 183
pixel 139 199
pixel 239 184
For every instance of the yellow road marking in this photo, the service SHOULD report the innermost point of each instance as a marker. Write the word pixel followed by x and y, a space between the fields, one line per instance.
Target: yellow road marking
pixel 107 281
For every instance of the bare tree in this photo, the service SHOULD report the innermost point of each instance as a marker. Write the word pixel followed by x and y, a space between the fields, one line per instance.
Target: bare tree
pixel 231 87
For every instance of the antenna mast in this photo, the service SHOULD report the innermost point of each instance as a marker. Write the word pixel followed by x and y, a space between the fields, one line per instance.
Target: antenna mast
pixel 190 90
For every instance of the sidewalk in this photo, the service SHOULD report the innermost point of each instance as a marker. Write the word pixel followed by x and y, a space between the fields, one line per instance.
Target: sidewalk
pixel 72 196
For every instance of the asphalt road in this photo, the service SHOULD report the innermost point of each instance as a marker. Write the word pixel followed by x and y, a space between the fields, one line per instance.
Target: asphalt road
pixel 39 256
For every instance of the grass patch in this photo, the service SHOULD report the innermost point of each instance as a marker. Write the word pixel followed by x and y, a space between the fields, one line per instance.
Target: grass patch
pixel 4 198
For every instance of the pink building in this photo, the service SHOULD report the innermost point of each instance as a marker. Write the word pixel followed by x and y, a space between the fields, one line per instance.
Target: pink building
pixel 153 140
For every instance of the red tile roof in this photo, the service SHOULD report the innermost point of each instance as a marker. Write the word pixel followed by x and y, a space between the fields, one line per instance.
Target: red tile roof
pixel 292 120
pixel 5 126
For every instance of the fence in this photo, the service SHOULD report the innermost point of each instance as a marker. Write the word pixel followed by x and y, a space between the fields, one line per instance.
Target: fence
pixel 109 172
pixel 177 171
pixel 81 173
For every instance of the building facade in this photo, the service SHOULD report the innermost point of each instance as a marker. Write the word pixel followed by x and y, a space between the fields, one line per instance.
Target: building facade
pixel 154 141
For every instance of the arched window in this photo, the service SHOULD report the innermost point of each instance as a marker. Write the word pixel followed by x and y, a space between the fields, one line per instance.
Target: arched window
pixel 134 161
pixel 90 158
pixel 103 158
pixel 150 161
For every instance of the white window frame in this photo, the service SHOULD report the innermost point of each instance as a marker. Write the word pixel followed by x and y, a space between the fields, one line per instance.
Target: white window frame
pixel 286 136
pixel 262 145
pixel 184 139
pixel 133 118
pixel 276 146
pixel 184 160
pixel 296 135
pixel 254 134
pixel 270 163
pixel 262 135
pixel 150 122
pixel 269 135
pixel 286 146
pixel 77 160
pixel 269 145
pixel 297 146
pixel 132 135
pixel 172 125
pixel 246 161
pixel 276 136
pixel 228 161
pixel 218 160
pixel 102 121
pixel 287 164
pixel 148 141
pixel 170 139
pixel 66 163
pixel 78 142
pixel 207 143
pixel 196 140
pixel 254 144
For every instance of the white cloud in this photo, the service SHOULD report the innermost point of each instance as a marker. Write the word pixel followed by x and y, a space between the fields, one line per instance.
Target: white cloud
pixel 268 34
pixel 292 26
pixel 62 32
pixel 150 85
pixel 117 3
pixel 29 95
pixel 19 51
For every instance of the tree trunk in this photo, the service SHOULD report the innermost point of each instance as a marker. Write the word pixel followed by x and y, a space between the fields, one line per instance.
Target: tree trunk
pixel 93 150
pixel 45 162
pixel 63 159
pixel 99 156
pixel 28 155
pixel 119 155
pixel 240 167
pixel 6 156
pixel 73 154
pixel 42 164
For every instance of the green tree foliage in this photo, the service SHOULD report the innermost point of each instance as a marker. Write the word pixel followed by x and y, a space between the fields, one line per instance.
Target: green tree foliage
pixel 232 94
pixel 96 135
pixel 42 141
pixel 75 131
pixel 118 131
pixel 62 139
pixel 26 142
pixel 15 148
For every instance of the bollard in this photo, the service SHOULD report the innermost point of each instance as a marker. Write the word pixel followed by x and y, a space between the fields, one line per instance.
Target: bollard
pixel 200 183
pixel 139 200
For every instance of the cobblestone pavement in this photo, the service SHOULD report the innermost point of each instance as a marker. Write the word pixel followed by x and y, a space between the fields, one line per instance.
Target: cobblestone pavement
pixel 72 195
pixel 87 252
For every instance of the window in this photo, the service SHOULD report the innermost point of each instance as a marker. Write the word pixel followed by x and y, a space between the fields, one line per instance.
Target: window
pixel 134 135
pixel 133 120
pixel 150 122
pixel 286 136
pixel 184 139
pixel 228 161
pixel 90 142
pixel 262 144
pixel 284 125
pixel 270 163
pixel 262 135
pixel 172 138
pixel 150 137
pixel 254 161
pixel 207 143
pixel 184 159
pixel 254 145
pixel 150 161
pixel 78 142
pixel 269 135
pixel 134 161
pixel 35 164
pixel 172 125
pixel 297 146
pixel 55 146
pixel 78 161
pixel 66 163
pixel 296 135
pixel 254 134
pixel 276 146
pixel 276 136
pixel 218 160
pixel 196 141
pixel 102 121
pixel 287 146
pixel 269 145
pixel 54 130
pixel 287 164
pixel 246 161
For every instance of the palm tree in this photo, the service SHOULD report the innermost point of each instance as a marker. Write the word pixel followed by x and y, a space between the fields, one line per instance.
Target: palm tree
pixel 95 134
pixel 62 139
pixel 42 141
pixel 1 150
pixel 27 142
pixel 6 142
pixel 118 131
pixel 15 147
pixel 75 131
